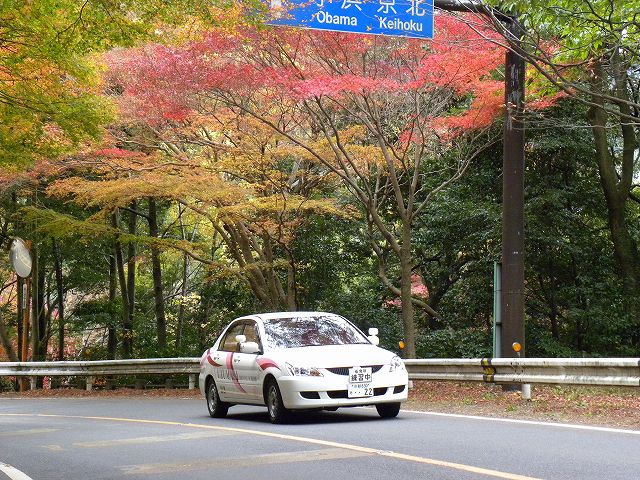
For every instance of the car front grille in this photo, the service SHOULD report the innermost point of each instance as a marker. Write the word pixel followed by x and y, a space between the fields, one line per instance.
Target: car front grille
pixel 345 370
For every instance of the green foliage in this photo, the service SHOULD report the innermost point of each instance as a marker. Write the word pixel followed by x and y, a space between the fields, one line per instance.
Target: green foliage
pixel 582 26
pixel 450 343
pixel 6 385
pixel 571 277
pixel 337 274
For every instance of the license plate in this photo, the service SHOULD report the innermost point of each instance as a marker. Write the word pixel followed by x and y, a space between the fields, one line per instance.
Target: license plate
pixel 358 390
pixel 360 382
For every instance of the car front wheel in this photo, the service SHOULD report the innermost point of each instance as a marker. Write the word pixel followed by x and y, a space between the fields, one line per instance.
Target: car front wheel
pixel 217 408
pixel 277 411
pixel 388 410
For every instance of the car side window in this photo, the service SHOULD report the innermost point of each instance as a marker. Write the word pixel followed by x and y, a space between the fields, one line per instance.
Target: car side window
pixel 229 343
pixel 252 334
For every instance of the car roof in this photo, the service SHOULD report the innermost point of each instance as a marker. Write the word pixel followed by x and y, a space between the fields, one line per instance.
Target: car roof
pixel 272 315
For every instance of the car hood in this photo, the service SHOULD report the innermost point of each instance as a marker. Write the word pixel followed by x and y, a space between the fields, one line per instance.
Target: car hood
pixel 332 356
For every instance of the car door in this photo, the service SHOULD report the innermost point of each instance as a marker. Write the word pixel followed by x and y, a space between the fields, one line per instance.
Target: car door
pixel 224 372
pixel 246 365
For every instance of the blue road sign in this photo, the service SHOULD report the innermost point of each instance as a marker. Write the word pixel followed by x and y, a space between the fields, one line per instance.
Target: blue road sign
pixel 403 18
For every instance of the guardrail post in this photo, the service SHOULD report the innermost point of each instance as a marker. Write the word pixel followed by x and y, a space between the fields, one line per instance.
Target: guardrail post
pixel 33 381
pixel 526 391
pixel 192 382
pixel 90 381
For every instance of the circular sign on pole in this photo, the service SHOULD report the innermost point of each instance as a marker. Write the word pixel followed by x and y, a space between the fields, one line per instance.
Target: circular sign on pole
pixel 20 258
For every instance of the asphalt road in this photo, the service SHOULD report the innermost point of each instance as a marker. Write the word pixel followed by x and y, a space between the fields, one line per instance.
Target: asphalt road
pixel 142 438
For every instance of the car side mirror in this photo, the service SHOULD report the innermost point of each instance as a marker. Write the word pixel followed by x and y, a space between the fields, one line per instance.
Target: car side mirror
pixel 373 336
pixel 249 347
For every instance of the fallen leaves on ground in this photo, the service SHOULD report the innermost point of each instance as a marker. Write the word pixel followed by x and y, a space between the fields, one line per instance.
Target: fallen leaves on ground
pixel 613 407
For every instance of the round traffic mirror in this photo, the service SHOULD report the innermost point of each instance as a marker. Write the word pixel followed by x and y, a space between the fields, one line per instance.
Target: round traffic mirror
pixel 20 258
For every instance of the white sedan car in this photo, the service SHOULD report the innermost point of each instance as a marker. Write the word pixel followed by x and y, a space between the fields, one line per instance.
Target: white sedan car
pixel 300 361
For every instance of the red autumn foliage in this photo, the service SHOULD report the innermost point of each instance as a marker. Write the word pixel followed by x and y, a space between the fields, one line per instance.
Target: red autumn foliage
pixel 162 83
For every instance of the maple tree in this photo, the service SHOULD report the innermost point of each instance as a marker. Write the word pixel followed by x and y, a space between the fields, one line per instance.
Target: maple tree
pixel 376 113
pixel 50 93
pixel 236 179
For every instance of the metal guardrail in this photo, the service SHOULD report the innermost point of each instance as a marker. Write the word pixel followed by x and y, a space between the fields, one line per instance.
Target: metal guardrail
pixel 562 371
pixel 92 369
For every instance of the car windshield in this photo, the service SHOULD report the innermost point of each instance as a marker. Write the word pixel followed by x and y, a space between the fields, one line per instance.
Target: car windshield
pixel 311 331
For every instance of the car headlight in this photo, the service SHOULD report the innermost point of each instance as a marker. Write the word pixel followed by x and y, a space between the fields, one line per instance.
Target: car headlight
pixel 396 364
pixel 304 371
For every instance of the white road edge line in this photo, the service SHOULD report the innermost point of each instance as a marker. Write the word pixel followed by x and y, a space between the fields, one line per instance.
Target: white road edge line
pixel 13 473
pixel 528 422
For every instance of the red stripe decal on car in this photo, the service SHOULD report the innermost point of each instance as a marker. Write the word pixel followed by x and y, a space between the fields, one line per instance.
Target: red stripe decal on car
pixel 265 363
pixel 213 362
pixel 204 357
pixel 232 372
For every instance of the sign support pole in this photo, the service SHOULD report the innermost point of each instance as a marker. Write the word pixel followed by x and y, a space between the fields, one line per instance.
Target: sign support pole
pixel 512 298
pixel 20 259
pixel 25 310
pixel 512 274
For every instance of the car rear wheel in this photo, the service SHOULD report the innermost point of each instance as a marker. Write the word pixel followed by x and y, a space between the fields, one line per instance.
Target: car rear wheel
pixel 388 410
pixel 277 411
pixel 217 408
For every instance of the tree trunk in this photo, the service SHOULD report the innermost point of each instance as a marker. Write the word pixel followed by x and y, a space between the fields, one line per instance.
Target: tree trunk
pixel 131 283
pixel 124 294
pixel 181 310
pixel 37 308
pixel 6 343
pixel 42 312
pixel 405 291
pixel 57 264
pixel 292 294
pixel 34 302
pixel 616 182
pixel 183 286
pixel 112 339
pixel 625 247
pixel 553 305
pixel 161 321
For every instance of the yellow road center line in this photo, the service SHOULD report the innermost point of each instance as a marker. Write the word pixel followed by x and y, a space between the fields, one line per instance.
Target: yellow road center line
pixel 31 431
pixel 246 461
pixel 313 441
pixel 151 439
pixel 53 448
